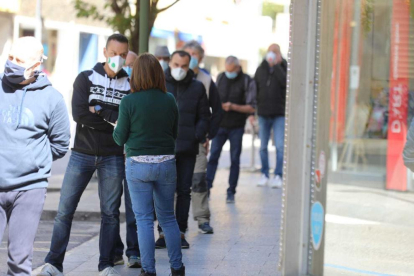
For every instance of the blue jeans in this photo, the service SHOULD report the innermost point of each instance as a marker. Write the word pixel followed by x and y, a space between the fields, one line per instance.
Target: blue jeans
pixel 78 174
pixel 132 248
pixel 149 184
pixel 185 171
pixel 235 136
pixel 265 126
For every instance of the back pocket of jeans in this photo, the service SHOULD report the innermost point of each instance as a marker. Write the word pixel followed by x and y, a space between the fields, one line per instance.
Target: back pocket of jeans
pixel 170 169
pixel 141 171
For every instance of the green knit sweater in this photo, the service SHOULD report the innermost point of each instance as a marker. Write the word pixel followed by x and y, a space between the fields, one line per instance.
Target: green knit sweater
pixel 147 123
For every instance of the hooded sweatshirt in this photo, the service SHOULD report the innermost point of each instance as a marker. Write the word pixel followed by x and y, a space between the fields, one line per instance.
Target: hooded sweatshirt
pixel 35 130
pixel 94 131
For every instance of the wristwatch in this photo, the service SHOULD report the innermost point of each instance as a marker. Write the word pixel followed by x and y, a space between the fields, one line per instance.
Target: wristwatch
pixel 98 109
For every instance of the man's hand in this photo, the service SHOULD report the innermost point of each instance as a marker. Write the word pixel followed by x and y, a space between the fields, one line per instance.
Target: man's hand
pixel 92 109
pixel 206 145
pixel 252 120
pixel 226 106
pixel 279 58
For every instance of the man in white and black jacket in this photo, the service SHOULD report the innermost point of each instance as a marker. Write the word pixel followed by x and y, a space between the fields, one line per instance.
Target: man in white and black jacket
pixel 97 94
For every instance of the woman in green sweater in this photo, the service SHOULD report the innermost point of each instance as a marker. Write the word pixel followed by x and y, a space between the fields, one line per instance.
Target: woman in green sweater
pixel 147 126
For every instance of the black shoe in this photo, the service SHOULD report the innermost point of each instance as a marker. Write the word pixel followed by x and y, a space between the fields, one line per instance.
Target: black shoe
pixel 134 262
pixel 184 243
pixel 205 228
pixel 160 243
pixel 180 272
pixel 230 198
pixel 119 260
pixel 143 273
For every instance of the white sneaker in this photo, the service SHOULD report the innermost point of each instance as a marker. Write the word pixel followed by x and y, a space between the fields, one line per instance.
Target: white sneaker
pixel 109 271
pixel 276 182
pixel 263 181
pixel 50 270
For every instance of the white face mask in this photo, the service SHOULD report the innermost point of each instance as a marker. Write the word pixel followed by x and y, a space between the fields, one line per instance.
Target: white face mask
pixel 178 73
pixel 271 58
pixel 116 63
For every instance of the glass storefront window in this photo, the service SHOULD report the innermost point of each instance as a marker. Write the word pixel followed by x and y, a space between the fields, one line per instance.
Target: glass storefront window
pixel 370 199
pixel 372 57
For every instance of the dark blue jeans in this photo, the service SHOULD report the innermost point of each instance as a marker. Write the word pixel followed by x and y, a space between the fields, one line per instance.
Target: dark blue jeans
pixel 149 184
pixel 265 127
pixel 111 171
pixel 235 136
pixel 131 227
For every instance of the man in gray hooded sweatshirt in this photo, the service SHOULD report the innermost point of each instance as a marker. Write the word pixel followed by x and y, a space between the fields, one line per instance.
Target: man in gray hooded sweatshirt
pixel 35 130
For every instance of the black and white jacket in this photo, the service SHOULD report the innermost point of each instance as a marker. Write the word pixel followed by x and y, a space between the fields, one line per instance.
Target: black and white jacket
pixel 93 131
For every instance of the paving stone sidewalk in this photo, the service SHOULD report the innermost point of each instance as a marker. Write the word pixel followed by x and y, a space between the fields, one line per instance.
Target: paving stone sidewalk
pixel 245 242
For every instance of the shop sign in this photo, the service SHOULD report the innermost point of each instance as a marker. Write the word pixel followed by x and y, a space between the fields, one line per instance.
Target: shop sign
pixel 398 96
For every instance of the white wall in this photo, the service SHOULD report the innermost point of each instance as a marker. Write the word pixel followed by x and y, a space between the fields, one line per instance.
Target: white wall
pixel 6 35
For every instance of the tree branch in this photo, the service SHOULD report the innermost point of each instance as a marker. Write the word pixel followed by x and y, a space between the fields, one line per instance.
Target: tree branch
pixel 115 7
pixel 166 8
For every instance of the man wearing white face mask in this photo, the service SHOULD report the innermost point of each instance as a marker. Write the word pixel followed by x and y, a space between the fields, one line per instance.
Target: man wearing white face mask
pixel 193 126
pixel 97 94
pixel 271 99
pixel 34 127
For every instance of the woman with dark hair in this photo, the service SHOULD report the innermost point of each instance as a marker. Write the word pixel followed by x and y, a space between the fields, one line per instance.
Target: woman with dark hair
pixel 147 125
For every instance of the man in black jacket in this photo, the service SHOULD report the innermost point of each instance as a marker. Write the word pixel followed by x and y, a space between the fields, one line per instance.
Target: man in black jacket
pixel 199 199
pixel 193 127
pixel 271 100
pixel 238 96
pixel 97 94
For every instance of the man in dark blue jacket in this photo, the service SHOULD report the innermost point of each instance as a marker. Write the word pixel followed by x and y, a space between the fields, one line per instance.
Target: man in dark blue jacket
pixel 35 130
pixel 193 127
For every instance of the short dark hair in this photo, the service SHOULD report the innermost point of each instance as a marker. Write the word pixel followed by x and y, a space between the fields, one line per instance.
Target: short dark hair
pixel 181 53
pixel 118 37
pixel 147 74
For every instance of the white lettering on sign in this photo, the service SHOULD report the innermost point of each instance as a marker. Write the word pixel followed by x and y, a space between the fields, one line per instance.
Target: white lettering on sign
pixel 396 126
pixel 396 51
pixel 397 97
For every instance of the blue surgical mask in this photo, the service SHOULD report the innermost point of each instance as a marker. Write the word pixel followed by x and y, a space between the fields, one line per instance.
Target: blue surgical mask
pixel 164 64
pixel 231 75
pixel 193 62
pixel 128 70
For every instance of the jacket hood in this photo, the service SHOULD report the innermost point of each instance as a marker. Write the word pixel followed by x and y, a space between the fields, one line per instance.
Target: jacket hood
pixel 40 83
pixel 99 68
pixel 188 78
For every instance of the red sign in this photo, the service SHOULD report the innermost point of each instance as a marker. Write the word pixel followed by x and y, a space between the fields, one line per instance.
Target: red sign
pixel 398 98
